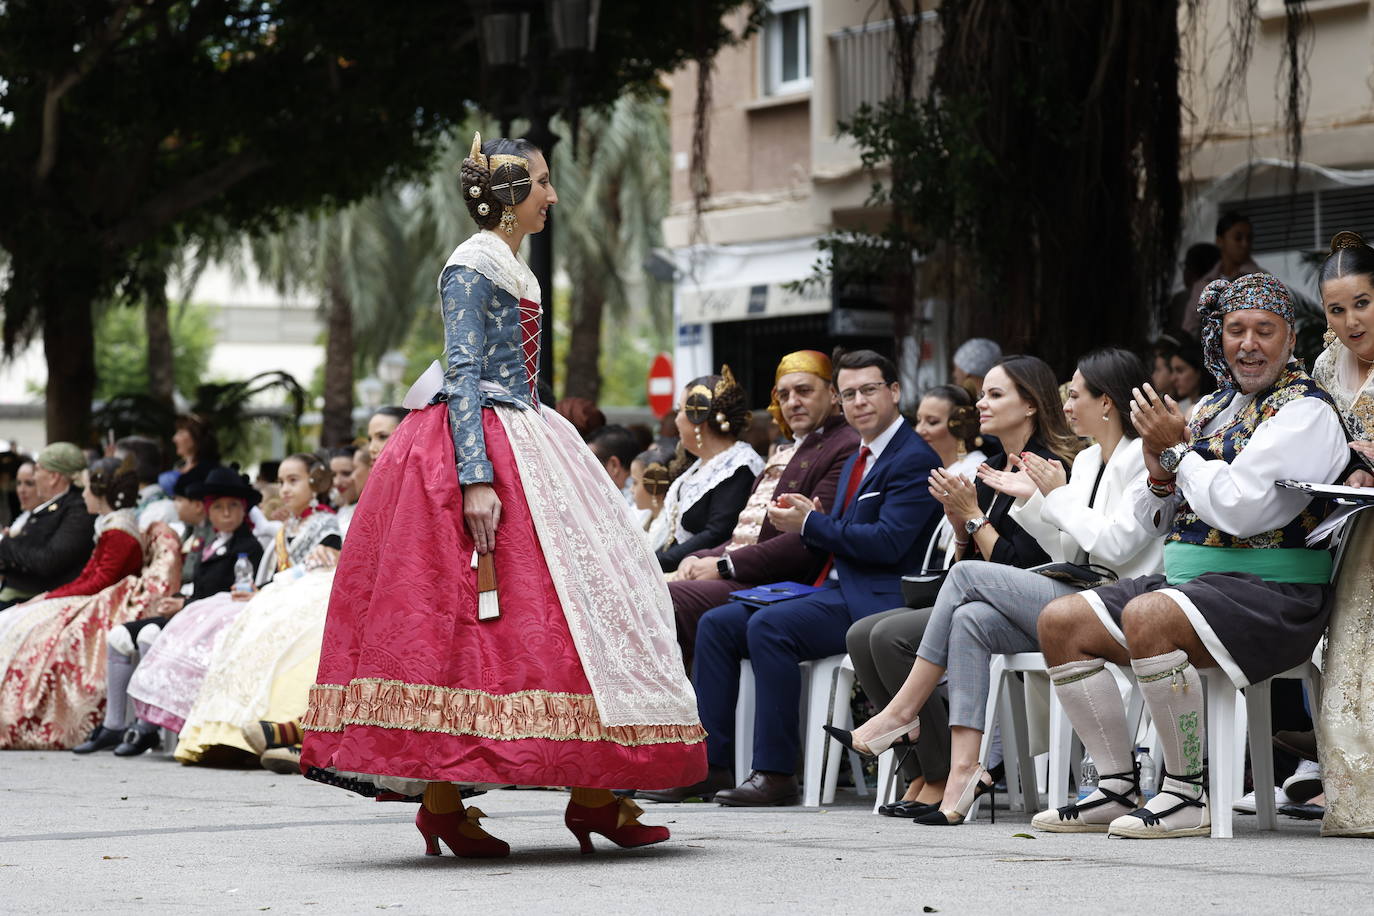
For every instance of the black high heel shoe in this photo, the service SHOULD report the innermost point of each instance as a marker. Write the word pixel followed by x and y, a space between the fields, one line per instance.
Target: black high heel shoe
pixel 911 809
pixel 895 738
pixel 975 790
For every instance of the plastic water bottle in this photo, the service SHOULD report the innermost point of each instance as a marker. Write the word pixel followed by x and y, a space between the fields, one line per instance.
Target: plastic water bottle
pixel 1087 777
pixel 1149 776
pixel 243 577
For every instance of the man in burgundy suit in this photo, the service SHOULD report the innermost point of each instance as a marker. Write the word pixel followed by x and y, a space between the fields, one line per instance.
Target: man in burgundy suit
pixel 805 407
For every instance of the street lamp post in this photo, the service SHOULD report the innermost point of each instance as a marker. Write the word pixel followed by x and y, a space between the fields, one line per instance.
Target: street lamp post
pixel 391 369
pixel 520 41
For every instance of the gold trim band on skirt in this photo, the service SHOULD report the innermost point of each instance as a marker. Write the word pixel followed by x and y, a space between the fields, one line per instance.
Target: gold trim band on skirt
pixel 457 711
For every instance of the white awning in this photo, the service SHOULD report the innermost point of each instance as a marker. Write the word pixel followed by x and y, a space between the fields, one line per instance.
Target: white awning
pixel 739 282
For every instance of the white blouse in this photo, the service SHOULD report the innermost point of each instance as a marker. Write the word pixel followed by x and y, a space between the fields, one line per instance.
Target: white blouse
pixel 1073 525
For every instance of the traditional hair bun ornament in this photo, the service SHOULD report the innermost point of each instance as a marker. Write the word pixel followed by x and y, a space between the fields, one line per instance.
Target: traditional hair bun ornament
pixel 483 208
pixel 475 191
pixel 722 421
pixel 1347 239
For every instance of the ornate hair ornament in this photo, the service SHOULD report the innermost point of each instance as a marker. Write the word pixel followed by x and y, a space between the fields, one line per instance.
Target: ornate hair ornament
pixel 727 381
pixel 697 404
pixel 1347 239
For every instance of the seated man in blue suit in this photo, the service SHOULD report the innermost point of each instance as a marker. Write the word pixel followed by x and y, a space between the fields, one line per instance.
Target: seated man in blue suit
pixel 876 533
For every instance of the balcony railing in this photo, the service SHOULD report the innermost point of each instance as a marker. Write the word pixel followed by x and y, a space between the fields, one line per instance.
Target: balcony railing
pixel 863 63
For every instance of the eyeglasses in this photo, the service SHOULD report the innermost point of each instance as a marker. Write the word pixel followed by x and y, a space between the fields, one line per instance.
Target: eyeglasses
pixel 872 388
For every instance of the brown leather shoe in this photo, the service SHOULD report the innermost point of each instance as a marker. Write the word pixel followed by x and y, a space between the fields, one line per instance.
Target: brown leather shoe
pixel 762 790
pixel 717 779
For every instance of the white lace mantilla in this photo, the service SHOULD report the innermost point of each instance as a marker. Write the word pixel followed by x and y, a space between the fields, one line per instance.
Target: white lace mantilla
pixel 699 479
pixel 125 520
pixel 613 594
pixel 486 253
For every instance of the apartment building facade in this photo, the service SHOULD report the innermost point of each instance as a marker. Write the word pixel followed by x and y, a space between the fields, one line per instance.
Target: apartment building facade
pixel 781 176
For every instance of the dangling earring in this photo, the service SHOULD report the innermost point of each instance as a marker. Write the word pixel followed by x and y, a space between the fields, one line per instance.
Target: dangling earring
pixel 1329 337
pixel 508 220
pixel 701 443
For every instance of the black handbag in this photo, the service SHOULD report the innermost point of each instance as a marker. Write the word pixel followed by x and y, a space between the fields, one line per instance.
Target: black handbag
pixel 919 590
pixel 1078 575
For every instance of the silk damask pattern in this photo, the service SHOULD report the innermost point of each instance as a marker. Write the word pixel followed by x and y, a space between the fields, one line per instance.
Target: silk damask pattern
pixel 52 689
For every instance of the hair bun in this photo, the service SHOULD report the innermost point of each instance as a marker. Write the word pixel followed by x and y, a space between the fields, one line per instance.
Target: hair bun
pixel 1347 238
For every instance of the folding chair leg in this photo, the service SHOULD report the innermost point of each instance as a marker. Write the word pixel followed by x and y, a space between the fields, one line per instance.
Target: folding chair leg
pixel 744 723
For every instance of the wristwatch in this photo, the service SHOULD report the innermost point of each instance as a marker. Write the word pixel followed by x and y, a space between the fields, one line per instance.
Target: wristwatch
pixel 972 525
pixel 724 568
pixel 1172 456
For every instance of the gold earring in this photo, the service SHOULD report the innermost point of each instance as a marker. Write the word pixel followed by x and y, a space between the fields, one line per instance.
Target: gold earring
pixel 701 443
pixel 508 220
pixel 1329 337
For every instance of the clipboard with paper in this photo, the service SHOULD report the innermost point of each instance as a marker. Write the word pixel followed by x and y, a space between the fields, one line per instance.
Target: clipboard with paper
pixel 1349 501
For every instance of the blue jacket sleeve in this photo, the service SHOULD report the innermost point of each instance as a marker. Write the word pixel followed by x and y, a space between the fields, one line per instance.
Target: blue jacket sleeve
pixel 466 296
pixel 905 514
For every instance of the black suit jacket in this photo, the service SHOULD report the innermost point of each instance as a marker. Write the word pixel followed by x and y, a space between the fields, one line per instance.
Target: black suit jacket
pixel 216 574
pixel 52 548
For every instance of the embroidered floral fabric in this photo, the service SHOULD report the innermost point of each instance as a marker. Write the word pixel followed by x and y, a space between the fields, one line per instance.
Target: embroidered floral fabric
pixel 1345 718
pixel 489 335
pixel 52 653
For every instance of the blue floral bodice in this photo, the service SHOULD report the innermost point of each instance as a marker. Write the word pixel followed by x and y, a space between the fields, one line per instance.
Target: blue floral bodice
pixel 490 343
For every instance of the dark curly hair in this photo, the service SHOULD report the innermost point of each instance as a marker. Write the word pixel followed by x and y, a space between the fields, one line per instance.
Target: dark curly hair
pixel 114 480
pixel 476 175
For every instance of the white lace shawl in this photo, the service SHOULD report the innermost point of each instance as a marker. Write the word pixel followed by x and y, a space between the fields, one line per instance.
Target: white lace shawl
pixel 699 479
pixel 486 253
pixel 125 520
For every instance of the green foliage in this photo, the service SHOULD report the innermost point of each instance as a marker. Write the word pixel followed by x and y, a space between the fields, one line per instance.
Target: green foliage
pixel 121 349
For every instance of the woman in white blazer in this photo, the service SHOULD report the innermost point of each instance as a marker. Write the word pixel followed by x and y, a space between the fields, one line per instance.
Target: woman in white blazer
pixel 986 608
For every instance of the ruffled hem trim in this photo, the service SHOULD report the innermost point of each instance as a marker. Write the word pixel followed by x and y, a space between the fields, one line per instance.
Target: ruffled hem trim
pixel 499 717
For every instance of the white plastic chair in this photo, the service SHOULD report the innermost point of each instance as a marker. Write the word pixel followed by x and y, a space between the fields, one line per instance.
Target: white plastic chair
pixel 826 685
pixel 1229 715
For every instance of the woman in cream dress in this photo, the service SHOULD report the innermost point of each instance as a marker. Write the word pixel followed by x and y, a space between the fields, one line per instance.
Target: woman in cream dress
pixel 1345 717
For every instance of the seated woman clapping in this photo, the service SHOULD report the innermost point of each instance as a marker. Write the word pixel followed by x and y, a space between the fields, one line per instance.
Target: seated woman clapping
pixel 985 608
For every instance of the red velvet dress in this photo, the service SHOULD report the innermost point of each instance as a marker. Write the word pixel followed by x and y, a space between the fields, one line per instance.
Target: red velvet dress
pixel 413 687
pixel 117 554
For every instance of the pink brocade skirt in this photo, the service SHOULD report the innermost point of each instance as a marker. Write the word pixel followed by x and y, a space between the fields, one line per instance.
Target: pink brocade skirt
pixel 412 686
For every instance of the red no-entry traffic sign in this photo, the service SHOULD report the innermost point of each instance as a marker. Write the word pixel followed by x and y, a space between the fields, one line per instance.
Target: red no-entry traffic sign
pixel 661 385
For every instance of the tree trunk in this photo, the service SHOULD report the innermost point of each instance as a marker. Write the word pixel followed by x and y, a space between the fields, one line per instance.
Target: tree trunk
pixel 336 427
pixel 161 381
pixel 583 363
pixel 69 347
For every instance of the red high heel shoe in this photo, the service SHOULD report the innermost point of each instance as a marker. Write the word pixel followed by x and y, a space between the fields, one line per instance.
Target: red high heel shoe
pixel 618 823
pixel 461 832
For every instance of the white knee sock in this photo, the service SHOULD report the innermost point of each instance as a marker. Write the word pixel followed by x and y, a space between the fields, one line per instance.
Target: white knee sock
pixel 1091 698
pixel 1173 692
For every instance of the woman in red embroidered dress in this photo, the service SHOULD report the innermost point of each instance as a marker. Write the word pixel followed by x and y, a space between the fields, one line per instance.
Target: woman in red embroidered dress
pixel 568 672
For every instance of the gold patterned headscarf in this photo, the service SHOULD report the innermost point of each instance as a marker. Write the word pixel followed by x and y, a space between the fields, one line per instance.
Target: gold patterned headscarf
pixel 813 361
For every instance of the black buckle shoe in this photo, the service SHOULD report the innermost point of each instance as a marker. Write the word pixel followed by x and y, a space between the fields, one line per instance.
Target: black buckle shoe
pixel 137 741
pixel 100 739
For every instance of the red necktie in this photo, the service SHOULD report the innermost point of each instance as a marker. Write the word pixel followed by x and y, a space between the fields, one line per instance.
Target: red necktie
pixel 854 478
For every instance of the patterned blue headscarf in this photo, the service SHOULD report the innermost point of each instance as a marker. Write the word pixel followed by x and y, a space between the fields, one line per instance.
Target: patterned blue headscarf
pixel 1252 291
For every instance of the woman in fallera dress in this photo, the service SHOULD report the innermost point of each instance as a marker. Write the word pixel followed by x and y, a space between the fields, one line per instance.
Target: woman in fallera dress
pixel 1345 716
pixel 496 617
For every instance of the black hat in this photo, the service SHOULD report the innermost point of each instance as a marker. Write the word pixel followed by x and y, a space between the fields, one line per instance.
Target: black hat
pixel 222 481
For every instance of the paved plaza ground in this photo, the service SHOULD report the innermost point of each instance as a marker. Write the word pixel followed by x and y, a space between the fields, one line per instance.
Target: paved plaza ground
pixel 103 835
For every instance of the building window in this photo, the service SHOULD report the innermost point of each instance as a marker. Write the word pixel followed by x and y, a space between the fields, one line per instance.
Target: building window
pixel 787 48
